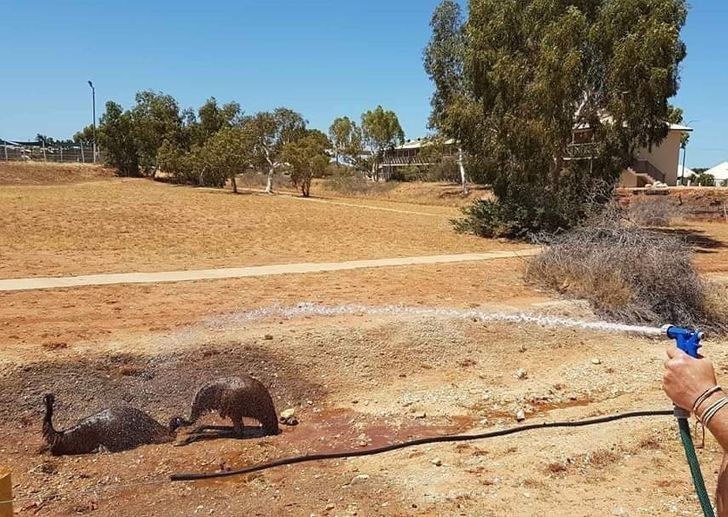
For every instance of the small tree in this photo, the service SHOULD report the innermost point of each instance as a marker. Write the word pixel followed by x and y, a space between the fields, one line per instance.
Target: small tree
pixel 306 156
pixel 85 136
pixel 381 131
pixel 227 153
pixel 156 118
pixel 116 136
pixel 270 132
pixel 705 180
pixel 341 133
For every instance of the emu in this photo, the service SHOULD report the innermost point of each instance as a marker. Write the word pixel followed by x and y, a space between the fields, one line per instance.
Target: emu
pixel 234 398
pixel 114 429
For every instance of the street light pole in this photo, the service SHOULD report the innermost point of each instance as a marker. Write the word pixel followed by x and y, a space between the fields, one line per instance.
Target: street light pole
pixel 93 103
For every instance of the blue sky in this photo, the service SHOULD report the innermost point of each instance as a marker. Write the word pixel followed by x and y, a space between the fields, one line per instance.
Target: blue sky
pixel 322 58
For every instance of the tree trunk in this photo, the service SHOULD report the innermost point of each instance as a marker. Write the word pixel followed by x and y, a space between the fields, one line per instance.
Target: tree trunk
pixel 461 166
pixel 235 184
pixel 269 186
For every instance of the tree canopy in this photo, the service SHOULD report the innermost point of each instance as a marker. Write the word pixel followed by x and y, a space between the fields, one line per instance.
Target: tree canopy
pixel 306 156
pixel 380 130
pixel 517 77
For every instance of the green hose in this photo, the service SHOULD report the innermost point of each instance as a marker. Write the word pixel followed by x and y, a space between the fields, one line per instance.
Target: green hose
pixel 687 442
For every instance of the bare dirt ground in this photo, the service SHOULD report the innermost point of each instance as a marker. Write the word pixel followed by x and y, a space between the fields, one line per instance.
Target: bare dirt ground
pixel 355 381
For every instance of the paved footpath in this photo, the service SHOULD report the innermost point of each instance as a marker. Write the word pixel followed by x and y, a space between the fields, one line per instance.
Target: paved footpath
pixel 25 284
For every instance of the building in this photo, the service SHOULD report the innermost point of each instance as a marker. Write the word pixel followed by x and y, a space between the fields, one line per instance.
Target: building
pixel 657 164
pixel 410 154
pixel 720 173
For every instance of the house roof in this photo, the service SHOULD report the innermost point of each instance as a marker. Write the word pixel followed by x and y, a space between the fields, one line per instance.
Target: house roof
pixel 719 172
pixel 686 173
pixel 421 142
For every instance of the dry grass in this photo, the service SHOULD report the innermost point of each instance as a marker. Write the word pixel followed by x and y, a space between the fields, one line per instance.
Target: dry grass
pixel 417 193
pixel 140 225
pixel 48 173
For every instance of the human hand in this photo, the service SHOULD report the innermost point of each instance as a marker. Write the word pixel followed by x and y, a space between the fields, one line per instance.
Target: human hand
pixel 686 378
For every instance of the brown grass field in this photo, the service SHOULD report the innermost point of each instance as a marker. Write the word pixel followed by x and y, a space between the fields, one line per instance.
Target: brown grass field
pixel 355 381
pixel 140 225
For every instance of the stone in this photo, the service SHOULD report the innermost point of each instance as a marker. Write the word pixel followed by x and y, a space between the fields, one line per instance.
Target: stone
pixel 596 360
pixel 420 414
pixel 521 374
pixel 288 413
pixel 520 415
pixel 268 337
pixel 437 462
pixel 359 479
pixel 330 507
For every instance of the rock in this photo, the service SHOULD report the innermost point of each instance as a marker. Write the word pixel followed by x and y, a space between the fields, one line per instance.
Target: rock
pixel 437 462
pixel 596 360
pixel 288 417
pixel 522 348
pixel 268 337
pixel 359 479
pixel 521 374
pixel 330 507
pixel 520 415
pixel 420 414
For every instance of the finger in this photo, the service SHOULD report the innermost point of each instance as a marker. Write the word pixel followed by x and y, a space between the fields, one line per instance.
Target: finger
pixel 671 351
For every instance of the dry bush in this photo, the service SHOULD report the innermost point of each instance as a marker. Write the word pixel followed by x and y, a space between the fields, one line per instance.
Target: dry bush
pixel 653 211
pixel 259 180
pixel 354 184
pixel 629 274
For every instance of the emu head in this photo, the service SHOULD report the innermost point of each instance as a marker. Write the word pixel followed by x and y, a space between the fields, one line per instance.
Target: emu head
pixel 176 422
pixel 49 400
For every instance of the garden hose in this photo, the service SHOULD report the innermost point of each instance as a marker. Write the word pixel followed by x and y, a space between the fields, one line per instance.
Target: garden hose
pixel 697 475
pixel 413 443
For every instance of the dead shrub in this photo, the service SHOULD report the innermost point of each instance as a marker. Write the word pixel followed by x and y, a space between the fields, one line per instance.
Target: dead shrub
pixel 355 184
pixel 629 274
pixel 653 211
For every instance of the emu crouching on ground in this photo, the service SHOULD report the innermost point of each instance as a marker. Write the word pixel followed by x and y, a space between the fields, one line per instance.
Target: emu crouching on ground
pixel 234 398
pixel 114 429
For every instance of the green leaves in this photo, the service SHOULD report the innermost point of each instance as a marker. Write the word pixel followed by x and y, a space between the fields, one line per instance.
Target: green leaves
pixel 518 76
pixel 306 156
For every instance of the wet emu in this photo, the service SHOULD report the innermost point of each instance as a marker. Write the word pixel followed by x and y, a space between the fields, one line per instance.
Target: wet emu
pixel 114 429
pixel 234 398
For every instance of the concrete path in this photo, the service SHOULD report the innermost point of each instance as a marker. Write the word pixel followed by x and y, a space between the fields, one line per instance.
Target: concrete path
pixel 24 284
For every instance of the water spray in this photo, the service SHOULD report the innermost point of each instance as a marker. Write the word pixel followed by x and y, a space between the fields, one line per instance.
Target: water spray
pixel 686 339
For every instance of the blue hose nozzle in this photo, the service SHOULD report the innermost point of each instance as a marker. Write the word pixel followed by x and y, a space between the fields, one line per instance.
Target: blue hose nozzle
pixel 687 339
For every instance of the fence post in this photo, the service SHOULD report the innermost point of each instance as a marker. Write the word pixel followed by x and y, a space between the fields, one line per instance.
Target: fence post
pixel 6 493
pixel 61 148
pixel 5 148
pixel 83 158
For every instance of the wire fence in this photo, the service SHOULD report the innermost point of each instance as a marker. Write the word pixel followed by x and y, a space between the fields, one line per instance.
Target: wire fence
pixel 74 154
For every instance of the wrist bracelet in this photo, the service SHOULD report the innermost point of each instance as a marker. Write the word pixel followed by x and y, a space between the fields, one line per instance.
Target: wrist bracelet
pixel 713 410
pixel 702 398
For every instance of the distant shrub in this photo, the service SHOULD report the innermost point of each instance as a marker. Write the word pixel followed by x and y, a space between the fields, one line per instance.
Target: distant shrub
pixel 354 183
pixel 705 180
pixel 630 274
pixel 653 211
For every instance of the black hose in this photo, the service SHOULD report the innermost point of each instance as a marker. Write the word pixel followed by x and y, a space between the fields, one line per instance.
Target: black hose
pixel 700 490
pixel 412 443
